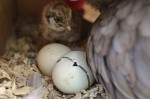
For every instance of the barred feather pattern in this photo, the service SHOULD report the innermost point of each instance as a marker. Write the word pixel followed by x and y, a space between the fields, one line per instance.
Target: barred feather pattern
pixel 102 4
pixel 119 50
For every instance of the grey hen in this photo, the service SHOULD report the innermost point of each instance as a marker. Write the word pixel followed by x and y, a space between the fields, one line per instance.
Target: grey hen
pixel 119 48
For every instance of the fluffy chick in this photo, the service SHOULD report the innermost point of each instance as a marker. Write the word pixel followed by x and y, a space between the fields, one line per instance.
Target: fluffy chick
pixel 60 23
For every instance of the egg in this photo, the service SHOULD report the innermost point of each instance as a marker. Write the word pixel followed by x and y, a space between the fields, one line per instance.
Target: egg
pixel 71 73
pixel 49 55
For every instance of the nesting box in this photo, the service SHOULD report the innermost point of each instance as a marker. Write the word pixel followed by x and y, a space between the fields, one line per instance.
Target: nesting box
pixel 19 74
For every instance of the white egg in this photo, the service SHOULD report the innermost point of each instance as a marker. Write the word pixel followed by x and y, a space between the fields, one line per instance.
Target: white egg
pixel 71 73
pixel 49 55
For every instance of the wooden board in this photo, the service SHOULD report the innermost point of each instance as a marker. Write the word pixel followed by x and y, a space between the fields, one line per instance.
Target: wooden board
pixel 7 18
pixel 31 7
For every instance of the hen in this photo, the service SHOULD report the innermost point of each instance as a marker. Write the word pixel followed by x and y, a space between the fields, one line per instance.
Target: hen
pixel 119 48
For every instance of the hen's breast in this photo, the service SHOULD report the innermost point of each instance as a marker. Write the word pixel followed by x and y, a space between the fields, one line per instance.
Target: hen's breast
pixel 119 49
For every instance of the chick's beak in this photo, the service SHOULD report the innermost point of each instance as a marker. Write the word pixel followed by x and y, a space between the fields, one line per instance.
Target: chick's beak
pixel 67 26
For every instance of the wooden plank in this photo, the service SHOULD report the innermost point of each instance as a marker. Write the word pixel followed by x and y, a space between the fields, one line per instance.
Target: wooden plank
pixel 7 16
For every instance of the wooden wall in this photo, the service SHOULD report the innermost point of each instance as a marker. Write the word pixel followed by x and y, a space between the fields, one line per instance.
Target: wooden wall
pixel 12 9
pixel 31 7
pixel 7 18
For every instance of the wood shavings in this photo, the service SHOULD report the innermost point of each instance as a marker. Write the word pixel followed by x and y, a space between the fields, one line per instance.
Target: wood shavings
pixel 22 91
pixel 3 74
pixel 20 77
pixel 3 93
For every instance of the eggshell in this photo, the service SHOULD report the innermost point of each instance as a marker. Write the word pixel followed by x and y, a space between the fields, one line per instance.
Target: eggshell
pixel 71 73
pixel 49 55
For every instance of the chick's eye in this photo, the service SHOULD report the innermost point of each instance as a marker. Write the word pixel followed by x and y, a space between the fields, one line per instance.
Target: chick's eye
pixel 57 19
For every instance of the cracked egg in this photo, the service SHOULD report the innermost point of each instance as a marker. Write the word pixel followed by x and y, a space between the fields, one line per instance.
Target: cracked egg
pixel 71 73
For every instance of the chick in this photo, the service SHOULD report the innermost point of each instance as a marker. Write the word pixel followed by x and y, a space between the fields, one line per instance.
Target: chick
pixel 60 23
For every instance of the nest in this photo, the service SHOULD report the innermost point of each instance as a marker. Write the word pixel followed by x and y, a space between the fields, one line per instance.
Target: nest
pixel 20 77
